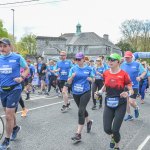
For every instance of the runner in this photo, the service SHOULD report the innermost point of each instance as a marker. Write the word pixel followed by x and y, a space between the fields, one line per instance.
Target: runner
pixel 63 67
pixel 52 76
pixel 98 83
pixel 115 81
pixel 80 76
pixel 41 71
pixel 144 82
pixel 28 79
pixel 133 68
pixel 10 87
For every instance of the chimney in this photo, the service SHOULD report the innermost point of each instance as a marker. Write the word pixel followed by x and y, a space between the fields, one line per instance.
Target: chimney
pixel 106 37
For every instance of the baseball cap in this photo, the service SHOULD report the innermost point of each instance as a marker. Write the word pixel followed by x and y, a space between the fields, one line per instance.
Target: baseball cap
pixel 128 54
pixel 28 60
pixel 5 41
pixel 114 56
pixel 79 55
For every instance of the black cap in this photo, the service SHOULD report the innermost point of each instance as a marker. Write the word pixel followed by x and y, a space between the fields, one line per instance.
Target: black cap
pixel 5 41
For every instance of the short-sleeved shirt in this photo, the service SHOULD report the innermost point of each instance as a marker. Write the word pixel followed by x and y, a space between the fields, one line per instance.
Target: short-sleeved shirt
pixel 64 69
pixel 133 69
pixel 115 83
pixel 10 68
pixel 80 84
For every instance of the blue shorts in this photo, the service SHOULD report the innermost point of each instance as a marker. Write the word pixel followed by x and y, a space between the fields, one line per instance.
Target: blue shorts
pixel 11 98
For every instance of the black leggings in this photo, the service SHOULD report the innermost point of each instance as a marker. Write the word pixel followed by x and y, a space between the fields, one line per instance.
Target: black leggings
pixel 52 82
pixel 98 84
pixel 112 120
pixel 82 101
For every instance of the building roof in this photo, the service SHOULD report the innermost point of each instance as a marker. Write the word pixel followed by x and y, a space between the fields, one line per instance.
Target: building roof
pixel 51 38
pixel 87 38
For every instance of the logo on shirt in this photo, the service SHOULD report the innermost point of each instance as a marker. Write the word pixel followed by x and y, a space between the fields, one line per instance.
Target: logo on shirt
pixel 12 60
pixel 86 72
pixel 120 77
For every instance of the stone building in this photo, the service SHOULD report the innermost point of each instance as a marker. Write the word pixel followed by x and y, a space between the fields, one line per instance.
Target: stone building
pixel 87 42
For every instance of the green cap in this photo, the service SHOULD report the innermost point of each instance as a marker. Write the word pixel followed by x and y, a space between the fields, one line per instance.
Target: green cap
pixel 115 56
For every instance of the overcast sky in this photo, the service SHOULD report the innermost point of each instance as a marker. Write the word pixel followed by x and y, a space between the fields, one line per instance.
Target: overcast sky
pixel 52 19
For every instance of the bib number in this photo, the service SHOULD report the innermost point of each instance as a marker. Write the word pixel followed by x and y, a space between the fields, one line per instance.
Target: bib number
pixel 112 102
pixel 78 88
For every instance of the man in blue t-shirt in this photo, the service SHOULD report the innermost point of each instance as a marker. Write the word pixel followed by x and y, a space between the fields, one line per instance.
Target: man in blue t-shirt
pixel 63 67
pixel 133 68
pixel 10 87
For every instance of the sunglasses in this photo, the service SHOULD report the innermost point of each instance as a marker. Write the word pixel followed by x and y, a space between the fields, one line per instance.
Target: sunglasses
pixel 78 59
pixel 62 55
pixel 111 59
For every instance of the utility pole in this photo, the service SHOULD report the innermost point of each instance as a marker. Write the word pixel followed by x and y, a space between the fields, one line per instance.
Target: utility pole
pixel 13 24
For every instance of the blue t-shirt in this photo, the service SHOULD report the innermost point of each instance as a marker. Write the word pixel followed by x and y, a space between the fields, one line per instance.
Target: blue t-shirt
pixel 51 68
pixel 64 69
pixel 10 68
pixel 32 70
pixel 80 84
pixel 133 69
pixel 100 70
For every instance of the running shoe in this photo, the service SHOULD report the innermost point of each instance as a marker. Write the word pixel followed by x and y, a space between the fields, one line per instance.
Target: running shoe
pixel 68 105
pixel 112 142
pixel 4 145
pixel 142 101
pixel 89 126
pixel 128 118
pixel 94 107
pixel 64 108
pixel 14 133
pixel 136 112
pixel 76 138
pixel 116 148
pixel 24 112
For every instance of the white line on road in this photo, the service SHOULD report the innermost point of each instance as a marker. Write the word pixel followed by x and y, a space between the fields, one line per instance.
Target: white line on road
pixel 37 98
pixel 144 143
pixel 40 107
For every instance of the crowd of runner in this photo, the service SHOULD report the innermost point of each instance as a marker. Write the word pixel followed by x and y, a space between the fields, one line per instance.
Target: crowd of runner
pixel 123 79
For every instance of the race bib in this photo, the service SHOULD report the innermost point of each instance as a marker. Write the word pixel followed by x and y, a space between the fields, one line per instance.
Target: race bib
pixel 7 70
pixel 78 88
pixel 63 73
pixel 112 102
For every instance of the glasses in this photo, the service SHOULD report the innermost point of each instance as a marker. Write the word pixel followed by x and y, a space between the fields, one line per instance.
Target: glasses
pixel 62 55
pixel 111 59
pixel 78 59
pixel 98 60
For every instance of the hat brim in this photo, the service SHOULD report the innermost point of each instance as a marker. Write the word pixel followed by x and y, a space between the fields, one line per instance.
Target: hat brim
pixel 128 56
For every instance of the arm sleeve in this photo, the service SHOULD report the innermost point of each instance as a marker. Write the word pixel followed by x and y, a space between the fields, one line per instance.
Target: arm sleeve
pixel 23 63
pixel 70 72
pixel 141 69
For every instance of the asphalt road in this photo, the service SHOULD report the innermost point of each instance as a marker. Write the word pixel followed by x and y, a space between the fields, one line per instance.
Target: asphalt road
pixel 46 128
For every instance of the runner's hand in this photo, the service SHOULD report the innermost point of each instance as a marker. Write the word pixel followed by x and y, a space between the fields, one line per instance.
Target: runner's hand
pixel 124 94
pixel 73 75
pixel 19 79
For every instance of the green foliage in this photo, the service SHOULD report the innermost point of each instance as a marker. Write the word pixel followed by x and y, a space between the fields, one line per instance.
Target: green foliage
pixel 3 31
pixel 137 34
pixel 28 43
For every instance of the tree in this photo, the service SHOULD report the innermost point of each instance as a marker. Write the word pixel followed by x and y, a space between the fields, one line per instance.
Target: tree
pixel 131 30
pixel 3 31
pixel 124 46
pixel 28 43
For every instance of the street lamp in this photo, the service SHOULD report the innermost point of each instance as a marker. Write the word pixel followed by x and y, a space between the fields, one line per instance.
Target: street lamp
pixel 13 24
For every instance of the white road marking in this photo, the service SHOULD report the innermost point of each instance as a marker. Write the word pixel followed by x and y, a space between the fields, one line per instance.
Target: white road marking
pixel 42 97
pixel 143 143
pixel 41 107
